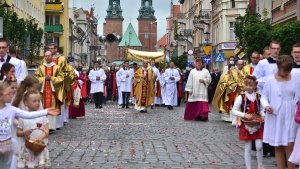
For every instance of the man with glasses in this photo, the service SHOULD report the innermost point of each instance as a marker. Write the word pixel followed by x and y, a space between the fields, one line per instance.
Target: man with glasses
pixel 296 55
pixel 144 80
pixel 249 69
pixel 267 67
pixel 4 57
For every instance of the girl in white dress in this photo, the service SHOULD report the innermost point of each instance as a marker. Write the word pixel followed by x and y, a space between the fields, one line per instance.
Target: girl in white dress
pixel 247 106
pixel 36 129
pixel 279 97
pixel 29 82
pixel 7 115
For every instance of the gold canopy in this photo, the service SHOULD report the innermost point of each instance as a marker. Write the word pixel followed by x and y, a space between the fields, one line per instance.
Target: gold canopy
pixel 141 55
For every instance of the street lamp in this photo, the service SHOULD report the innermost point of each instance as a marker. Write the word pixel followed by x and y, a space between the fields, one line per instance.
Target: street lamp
pixel 206 37
pixel 5 5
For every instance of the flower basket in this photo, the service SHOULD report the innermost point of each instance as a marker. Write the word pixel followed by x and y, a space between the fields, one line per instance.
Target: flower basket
pixel 34 145
pixel 257 120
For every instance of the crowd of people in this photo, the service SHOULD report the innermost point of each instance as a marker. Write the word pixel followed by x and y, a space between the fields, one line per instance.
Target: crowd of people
pixel 260 98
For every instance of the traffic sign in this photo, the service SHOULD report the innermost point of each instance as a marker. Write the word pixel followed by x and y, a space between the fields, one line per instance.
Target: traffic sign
pixel 207 59
pixel 190 63
pixel 190 52
pixel 220 57
pixel 207 49
pixel 71 59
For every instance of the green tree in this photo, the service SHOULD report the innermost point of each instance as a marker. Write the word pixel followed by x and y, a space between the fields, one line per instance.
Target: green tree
pixel 252 32
pixel 287 35
pixel 14 28
pixel 35 34
pixel 180 61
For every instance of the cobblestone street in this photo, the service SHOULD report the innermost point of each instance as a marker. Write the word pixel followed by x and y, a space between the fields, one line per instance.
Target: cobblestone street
pixel 124 138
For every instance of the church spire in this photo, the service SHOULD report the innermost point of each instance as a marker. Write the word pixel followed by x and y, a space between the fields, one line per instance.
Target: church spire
pixel 114 10
pixel 146 10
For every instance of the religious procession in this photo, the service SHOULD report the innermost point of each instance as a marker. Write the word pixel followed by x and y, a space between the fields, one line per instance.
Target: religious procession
pixel 246 95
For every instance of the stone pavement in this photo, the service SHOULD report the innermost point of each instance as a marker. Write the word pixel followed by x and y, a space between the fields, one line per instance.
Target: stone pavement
pixel 124 138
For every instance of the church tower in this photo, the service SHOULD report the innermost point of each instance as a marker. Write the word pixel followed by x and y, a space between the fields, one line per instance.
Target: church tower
pixel 114 25
pixel 147 26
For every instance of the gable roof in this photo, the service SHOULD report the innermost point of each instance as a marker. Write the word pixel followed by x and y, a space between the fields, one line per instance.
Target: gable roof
pixel 162 41
pixel 130 38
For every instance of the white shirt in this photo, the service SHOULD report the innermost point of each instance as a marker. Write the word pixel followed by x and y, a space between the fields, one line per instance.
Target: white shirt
pixel 97 85
pixel 263 70
pixel 156 71
pixel 7 115
pixel 126 82
pixel 19 71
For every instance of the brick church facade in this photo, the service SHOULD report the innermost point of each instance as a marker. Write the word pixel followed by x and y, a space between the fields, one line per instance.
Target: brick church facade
pixel 147 27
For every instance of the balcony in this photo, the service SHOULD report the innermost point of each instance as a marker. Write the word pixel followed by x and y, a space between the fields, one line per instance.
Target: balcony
pixel 54 7
pixel 181 18
pixel 202 19
pixel 55 28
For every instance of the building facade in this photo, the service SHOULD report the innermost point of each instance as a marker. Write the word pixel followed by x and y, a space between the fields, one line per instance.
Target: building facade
pixel 224 14
pixel 284 11
pixel 57 24
pixel 147 26
pixel 113 25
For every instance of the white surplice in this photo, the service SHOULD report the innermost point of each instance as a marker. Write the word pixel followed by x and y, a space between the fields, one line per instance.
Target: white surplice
pixel 157 100
pixel 171 87
pixel 118 81
pixel 162 83
pixel 264 68
pixel 199 90
pixel 125 82
pixel 296 69
pixel 97 85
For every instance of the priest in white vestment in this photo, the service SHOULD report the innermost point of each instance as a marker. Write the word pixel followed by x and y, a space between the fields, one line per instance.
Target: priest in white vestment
pixel 198 81
pixel 171 77
pixel 126 79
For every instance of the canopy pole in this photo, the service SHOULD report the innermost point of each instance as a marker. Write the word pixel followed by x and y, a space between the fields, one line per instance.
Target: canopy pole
pixel 126 52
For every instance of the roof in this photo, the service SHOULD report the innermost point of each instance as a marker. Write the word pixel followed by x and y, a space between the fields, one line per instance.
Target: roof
pixel 162 41
pixel 130 38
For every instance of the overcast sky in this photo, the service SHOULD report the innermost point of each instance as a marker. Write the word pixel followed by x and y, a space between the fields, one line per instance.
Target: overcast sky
pixel 130 12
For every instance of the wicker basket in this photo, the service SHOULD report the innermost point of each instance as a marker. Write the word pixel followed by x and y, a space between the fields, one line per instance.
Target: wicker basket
pixel 36 147
pixel 252 123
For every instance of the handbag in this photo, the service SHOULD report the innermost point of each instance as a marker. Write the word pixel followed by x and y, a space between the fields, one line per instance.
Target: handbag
pixel 5 146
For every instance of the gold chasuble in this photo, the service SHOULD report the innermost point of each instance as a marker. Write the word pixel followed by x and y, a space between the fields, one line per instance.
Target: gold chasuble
pixel 50 89
pixel 226 91
pixel 144 88
pixel 61 62
pixel 69 82
pixel 247 70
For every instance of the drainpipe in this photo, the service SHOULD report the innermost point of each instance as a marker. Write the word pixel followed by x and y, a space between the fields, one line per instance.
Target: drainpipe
pixel 271 14
pixel 298 10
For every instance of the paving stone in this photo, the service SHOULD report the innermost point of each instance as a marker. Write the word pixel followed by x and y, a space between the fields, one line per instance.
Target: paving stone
pixel 113 137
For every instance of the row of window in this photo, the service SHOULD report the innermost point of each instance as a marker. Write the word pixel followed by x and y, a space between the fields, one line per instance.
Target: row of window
pixel 28 8
pixel 231 33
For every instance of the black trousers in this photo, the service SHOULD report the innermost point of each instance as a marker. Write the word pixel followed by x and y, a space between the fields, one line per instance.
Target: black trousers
pixel 98 98
pixel 125 98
